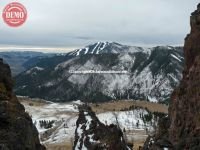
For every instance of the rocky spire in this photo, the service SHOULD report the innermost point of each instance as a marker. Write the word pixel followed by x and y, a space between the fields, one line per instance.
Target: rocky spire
pixel 192 44
pixel 17 131
pixel 184 111
pixel 91 134
pixel 181 130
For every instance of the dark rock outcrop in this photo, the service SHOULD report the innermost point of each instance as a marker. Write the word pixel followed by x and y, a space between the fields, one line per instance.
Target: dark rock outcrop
pixel 183 132
pixel 17 131
pixel 184 110
pixel 91 134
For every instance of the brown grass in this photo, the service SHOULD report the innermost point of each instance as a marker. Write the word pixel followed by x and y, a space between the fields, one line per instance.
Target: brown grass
pixel 138 144
pixel 118 105
pixel 59 146
pixel 33 102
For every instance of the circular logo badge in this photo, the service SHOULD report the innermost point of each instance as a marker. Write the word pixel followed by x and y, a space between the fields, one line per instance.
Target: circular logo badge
pixel 14 14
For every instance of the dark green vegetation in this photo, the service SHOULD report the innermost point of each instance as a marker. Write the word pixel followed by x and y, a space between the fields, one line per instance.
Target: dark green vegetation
pixel 20 61
pixel 154 73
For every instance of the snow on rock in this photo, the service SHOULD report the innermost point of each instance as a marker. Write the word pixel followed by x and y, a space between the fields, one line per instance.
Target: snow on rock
pixel 49 84
pixel 34 69
pixel 63 64
pixel 152 99
pixel 92 134
pixel 176 57
pixel 126 119
pixel 78 102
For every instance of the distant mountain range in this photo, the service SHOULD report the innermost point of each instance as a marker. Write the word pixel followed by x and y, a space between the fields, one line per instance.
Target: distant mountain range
pixel 20 61
pixel 151 74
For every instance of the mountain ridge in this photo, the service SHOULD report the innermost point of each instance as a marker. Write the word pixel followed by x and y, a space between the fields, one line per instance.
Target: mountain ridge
pixel 19 61
pixel 112 47
pixel 151 73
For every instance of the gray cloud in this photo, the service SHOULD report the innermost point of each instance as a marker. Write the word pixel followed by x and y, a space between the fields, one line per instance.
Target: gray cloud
pixel 75 23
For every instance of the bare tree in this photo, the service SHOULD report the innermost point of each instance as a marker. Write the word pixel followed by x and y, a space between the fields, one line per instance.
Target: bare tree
pixel 72 142
pixel 116 119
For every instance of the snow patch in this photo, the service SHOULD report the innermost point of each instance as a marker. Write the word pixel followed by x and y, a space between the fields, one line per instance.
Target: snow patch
pixel 77 102
pixel 176 57
pixel 34 69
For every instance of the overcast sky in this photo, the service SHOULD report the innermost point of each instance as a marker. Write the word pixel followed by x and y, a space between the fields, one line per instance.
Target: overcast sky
pixel 75 23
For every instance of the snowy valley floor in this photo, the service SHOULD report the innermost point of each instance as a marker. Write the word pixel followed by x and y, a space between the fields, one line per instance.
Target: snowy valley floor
pixel 60 135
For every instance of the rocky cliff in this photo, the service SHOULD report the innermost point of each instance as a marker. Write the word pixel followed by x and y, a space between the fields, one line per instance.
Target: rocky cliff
pixel 182 129
pixel 91 134
pixel 184 111
pixel 17 131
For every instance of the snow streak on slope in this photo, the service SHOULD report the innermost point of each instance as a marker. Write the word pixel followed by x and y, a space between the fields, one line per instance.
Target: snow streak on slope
pixel 108 47
pixel 34 69
pixel 152 74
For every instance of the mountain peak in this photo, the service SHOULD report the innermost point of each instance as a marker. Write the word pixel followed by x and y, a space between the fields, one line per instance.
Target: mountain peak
pixel 106 47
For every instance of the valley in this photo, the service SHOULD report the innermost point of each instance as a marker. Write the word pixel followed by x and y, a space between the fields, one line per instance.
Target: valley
pixel 133 101
pixel 101 77
pixel 61 135
pixel 20 61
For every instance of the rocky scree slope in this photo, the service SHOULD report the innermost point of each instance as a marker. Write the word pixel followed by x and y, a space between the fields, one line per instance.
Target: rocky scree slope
pixel 152 74
pixel 182 128
pixel 17 131
pixel 91 134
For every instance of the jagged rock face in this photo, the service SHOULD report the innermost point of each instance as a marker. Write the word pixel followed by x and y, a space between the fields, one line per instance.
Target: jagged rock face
pixel 91 134
pixel 17 131
pixel 183 132
pixel 6 82
pixel 184 111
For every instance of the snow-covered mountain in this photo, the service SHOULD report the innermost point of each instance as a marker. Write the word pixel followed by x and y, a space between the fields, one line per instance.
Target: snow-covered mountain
pixel 107 47
pixel 105 71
